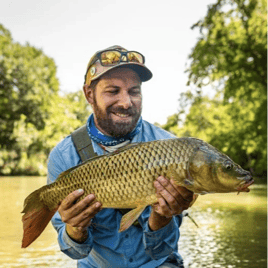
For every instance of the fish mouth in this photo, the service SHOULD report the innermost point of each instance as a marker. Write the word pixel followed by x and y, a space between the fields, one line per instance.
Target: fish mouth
pixel 244 188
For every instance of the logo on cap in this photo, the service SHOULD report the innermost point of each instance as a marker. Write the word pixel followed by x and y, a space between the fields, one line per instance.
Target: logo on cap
pixel 92 70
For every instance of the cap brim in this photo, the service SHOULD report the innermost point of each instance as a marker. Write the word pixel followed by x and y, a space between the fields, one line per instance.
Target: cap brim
pixel 144 73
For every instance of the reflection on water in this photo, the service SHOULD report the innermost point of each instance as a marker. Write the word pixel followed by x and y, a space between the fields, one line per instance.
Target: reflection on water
pixel 232 230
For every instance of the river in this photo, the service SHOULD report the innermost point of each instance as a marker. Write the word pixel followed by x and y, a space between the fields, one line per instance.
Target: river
pixel 232 230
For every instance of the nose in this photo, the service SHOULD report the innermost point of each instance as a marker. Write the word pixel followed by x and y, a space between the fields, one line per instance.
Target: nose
pixel 124 100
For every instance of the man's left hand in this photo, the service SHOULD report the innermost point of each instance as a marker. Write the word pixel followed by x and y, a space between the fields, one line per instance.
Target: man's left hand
pixel 172 200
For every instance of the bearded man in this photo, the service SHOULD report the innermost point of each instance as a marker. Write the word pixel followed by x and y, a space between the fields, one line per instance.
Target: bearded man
pixel 86 231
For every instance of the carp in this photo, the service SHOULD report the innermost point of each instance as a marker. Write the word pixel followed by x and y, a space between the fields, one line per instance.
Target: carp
pixel 124 179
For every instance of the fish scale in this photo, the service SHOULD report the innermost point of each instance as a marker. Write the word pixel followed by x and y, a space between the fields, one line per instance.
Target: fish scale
pixel 124 179
pixel 115 175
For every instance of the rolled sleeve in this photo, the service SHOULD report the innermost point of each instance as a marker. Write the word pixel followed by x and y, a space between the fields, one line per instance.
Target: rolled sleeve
pixel 162 242
pixel 73 249
pixel 67 245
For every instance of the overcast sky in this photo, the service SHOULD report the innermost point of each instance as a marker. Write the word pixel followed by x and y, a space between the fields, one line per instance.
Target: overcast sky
pixel 72 31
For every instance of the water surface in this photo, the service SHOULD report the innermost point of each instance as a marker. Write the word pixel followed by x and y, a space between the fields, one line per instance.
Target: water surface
pixel 232 230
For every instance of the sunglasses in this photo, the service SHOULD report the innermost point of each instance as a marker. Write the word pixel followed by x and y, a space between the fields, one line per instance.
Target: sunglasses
pixel 114 57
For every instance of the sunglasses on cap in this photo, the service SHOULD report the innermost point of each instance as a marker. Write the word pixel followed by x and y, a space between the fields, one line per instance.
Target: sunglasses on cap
pixel 114 57
pixel 110 58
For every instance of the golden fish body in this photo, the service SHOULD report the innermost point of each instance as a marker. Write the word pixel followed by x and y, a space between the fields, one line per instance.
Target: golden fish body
pixel 125 179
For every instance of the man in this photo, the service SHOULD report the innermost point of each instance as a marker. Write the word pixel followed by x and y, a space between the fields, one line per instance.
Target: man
pixel 85 230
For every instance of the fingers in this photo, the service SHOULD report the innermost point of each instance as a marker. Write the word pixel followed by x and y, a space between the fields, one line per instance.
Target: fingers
pixel 186 194
pixel 167 202
pixel 78 214
pixel 172 199
pixel 163 208
pixel 71 198
pixel 84 218
pixel 81 205
pixel 166 187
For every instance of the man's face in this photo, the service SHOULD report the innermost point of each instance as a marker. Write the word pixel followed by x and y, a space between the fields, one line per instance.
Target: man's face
pixel 117 102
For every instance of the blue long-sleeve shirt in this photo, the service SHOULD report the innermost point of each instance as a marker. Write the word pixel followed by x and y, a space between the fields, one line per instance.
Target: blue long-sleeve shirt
pixel 105 246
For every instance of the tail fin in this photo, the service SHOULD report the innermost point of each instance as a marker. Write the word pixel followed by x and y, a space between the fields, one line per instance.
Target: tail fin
pixel 36 217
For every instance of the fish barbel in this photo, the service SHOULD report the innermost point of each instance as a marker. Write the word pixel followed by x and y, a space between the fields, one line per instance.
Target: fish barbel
pixel 124 179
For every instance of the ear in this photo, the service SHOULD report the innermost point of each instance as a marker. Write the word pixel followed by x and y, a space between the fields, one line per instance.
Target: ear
pixel 88 91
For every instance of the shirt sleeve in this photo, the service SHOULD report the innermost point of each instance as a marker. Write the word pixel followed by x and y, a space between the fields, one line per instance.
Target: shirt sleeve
pixel 74 250
pixel 163 242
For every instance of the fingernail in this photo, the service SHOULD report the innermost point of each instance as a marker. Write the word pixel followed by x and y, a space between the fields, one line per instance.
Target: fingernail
pixel 79 191
pixel 97 205
pixel 161 179
pixel 90 196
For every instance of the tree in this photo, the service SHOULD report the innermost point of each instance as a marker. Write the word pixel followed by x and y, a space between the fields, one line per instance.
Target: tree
pixel 27 83
pixel 34 114
pixel 231 58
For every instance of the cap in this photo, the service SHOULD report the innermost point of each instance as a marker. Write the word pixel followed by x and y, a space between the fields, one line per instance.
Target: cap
pixel 95 69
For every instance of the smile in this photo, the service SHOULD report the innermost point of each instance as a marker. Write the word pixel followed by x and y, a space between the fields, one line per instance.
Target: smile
pixel 122 115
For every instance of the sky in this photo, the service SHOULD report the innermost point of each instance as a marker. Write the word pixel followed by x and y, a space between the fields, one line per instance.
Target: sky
pixel 72 31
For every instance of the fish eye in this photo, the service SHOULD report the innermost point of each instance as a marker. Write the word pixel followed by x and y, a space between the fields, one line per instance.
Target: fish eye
pixel 228 165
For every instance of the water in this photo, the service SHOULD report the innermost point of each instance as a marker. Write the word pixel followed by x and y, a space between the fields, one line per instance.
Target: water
pixel 44 252
pixel 232 230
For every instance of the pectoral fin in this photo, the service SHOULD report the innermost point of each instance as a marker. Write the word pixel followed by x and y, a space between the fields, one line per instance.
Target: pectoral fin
pixel 129 218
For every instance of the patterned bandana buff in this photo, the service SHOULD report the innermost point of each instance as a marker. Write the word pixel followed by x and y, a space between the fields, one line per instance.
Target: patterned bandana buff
pixel 101 138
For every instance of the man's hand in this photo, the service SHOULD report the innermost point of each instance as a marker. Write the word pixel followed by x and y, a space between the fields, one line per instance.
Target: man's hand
pixel 77 216
pixel 172 200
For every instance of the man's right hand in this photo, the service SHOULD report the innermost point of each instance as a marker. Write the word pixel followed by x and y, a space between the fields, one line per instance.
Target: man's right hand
pixel 77 216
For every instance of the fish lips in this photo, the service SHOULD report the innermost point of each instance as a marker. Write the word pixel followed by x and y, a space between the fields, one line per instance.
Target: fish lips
pixel 248 180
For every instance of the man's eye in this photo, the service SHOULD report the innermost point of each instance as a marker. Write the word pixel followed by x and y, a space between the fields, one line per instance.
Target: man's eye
pixel 134 92
pixel 113 91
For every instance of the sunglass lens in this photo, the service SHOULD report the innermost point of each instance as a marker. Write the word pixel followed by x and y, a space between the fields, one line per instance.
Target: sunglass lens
pixel 135 57
pixel 110 57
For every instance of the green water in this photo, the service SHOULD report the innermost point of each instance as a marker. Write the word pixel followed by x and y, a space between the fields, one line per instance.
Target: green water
pixel 232 230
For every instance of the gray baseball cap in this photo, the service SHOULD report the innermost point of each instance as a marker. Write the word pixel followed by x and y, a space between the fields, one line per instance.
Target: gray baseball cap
pixel 116 57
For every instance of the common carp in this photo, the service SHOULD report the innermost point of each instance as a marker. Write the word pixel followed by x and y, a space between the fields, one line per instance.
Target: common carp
pixel 124 179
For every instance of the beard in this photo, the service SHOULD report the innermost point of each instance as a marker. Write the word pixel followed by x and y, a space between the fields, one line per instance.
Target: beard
pixel 116 129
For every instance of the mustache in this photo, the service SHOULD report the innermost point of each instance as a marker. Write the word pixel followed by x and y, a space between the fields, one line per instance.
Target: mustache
pixel 130 111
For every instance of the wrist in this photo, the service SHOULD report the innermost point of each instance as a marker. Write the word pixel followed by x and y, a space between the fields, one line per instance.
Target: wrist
pixel 77 234
pixel 157 221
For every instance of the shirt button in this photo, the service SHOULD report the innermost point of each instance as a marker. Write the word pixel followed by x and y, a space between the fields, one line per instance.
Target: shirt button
pixel 126 236
pixel 130 260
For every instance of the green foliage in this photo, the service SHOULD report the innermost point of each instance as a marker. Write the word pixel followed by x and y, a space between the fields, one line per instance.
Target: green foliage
pixel 27 82
pixel 231 57
pixel 34 115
